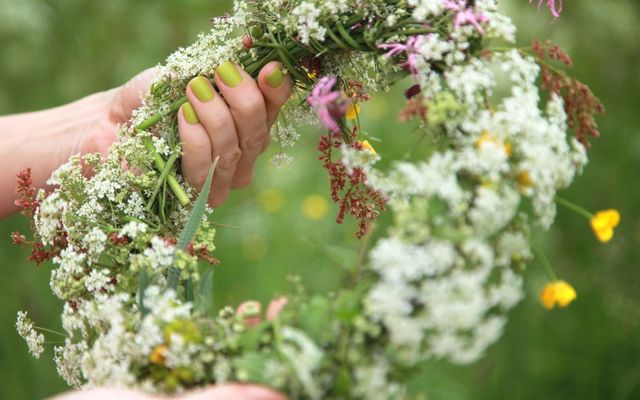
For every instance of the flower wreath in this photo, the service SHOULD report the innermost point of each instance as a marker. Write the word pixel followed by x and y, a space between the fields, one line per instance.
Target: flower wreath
pixel 127 241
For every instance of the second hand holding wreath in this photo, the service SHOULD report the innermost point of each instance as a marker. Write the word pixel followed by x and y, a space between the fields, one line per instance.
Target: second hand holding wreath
pixel 127 241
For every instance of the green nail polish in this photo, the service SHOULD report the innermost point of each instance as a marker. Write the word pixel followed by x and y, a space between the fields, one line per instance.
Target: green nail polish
pixel 229 74
pixel 275 78
pixel 202 89
pixel 190 113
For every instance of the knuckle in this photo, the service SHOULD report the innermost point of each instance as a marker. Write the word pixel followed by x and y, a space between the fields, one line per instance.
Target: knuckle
pixel 256 142
pixel 219 123
pixel 252 106
pixel 229 160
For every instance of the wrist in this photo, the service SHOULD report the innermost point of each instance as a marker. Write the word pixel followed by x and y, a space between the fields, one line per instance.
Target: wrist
pixel 44 140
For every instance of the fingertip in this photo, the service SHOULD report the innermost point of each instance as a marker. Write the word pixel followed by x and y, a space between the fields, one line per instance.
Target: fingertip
pixel 275 81
pixel 275 307
pixel 250 312
pixel 189 114
pixel 196 147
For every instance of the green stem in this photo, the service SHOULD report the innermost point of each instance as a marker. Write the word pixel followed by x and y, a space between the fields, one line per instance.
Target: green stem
pixel 544 260
pixel 574 207
pixel 336 39
pixel 39 328
pixel 345 35
pixel 171 179
pixel 165 173
pixel 290 53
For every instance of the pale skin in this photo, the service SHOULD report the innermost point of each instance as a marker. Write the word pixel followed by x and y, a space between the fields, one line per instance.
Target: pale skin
pixel 232 124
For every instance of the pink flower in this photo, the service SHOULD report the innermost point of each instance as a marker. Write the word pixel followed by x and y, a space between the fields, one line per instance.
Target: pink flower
pixel 328 103
pixel 466 15
pixel 552 6
pixel 411 49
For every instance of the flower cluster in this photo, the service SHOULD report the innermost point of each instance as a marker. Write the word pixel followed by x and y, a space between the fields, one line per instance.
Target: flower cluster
pixel 127 240
pixel 28 332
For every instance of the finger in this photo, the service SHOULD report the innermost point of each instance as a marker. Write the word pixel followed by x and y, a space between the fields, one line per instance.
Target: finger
pixel 196 147
pixel 250 312
pixel 276 87
pixel 249 112
pixel 217 120
pixel 275 307
pixel 128 97
pixel 234 392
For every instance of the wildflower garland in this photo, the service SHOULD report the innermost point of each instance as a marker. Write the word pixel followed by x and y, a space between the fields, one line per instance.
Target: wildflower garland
pixel 127 241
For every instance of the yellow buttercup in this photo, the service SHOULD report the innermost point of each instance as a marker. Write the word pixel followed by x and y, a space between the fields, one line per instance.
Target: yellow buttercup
pixel 557 293
pixel 603 224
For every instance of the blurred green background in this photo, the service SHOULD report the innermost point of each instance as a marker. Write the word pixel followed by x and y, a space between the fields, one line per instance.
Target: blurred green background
pixel 53 52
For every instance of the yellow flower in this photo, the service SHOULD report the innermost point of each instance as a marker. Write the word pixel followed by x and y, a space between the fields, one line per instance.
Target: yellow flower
pixel 315 207
pixel 157 355
pixel 557 293
pixel 368 146
pixel 487 138
pixel 352 111
pixel 508 148
pixel 603 223
pixel 524 181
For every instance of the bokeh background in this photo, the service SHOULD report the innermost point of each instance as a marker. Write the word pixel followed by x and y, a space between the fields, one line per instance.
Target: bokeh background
pixel 53 52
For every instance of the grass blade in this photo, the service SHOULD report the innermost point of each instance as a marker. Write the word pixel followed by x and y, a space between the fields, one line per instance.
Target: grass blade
pixel 193 224
pixel 205 292
pixel 188 291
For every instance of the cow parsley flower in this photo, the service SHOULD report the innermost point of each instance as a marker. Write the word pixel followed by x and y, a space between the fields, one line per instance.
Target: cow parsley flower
pixel 27 331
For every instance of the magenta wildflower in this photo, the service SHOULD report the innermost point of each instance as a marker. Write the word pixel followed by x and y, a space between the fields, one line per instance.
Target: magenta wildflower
pixel 466 15
pixel 328 103
pixel 552 6
pixel 410 48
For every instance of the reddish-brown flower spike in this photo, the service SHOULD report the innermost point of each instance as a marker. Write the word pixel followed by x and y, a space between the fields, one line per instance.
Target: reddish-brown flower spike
pixel 349 191
pixel 26 193
pixel 581 105
pixel 18 239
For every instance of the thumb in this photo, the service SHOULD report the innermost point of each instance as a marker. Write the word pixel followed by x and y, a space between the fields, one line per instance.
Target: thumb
pixel 128 97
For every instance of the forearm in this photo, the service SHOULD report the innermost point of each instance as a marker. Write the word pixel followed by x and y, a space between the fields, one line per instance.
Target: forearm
pixel 43 141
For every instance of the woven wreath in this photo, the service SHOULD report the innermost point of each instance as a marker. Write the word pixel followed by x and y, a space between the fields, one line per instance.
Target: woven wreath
pixel 127 241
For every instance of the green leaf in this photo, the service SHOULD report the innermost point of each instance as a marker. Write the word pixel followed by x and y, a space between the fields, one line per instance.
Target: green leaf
pixel 199 208
pixel 193 224
pixel 205 294
pixel 143 283
pixel 188 292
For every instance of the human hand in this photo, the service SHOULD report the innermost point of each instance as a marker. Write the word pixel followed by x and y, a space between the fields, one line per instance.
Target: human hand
pixel 222 392
pixel 232 122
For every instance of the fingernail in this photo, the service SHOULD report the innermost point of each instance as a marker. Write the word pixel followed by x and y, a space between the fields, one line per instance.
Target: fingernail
pixel 229 74
pixel 190 113
pixel 202 89
pixel 275 78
